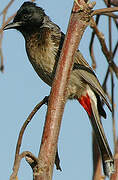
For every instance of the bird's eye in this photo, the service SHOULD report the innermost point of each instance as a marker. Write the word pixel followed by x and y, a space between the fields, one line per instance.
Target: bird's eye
pixel 25 16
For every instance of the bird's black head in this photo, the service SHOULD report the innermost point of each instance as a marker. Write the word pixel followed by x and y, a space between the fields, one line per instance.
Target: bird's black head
pixel 27 17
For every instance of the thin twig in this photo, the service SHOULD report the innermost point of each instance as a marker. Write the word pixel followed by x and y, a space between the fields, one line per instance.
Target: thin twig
pixel 104 47
pixel 28 120
pixel 110 15
pixel 104 11
pixel 1 38
pixel 116 22
pixel 115 49
pixel 25 154
pixel 18 157
pixel 106 2
pixel 114 2
pixel 105 81
pixel 4 13
pixel 7 7
pixel 91 45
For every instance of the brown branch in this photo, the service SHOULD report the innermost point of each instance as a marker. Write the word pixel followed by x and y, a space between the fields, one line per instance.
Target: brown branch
pixel 91 45
pixel 28 120
pixel 34 164
pixel 25 154
pixel 106 2
pixel 1 37
pixel 110 15
pixel 116 23
pixel 105 81
pixel 115 49
pixel 104 86
pixel 18 157
pixel 104 47
pixel 4 11
pixel 30 158
pixel 1 56
pixel 104 11
pixel 114 2
pixel 78 23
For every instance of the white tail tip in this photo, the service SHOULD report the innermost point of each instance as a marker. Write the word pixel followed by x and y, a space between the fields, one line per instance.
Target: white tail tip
pixel 109 167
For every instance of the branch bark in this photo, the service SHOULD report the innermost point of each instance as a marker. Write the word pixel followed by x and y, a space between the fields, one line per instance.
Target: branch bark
pixel 79 20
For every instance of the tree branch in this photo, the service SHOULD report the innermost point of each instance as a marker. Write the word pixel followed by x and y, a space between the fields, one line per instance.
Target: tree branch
pixel 91 45
pixel 107 54
pixel 25 154
pixel 18 157
pixel 104 11
pixel 78 23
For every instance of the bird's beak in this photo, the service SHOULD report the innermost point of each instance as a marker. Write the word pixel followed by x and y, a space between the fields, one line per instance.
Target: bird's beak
pixel 13 25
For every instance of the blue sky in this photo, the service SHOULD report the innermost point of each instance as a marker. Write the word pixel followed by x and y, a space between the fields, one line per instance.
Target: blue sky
pixel 21 89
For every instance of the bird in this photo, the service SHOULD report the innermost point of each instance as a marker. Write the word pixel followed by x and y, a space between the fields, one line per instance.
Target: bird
pixel 44 40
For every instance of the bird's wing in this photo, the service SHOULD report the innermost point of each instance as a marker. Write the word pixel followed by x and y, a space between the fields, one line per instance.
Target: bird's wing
pixel 86 72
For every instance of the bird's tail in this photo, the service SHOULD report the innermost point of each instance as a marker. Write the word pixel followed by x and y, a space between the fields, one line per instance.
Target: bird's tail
pixel 89 102
pixel 107 158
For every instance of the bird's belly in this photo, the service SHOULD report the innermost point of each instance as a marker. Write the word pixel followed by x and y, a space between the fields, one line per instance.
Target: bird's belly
pixel 43 61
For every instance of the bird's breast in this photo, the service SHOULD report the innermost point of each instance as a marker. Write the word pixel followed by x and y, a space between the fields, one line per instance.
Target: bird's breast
pixel 42 57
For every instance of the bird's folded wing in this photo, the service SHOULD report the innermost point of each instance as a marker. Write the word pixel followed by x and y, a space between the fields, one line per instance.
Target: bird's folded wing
pixel 86 72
